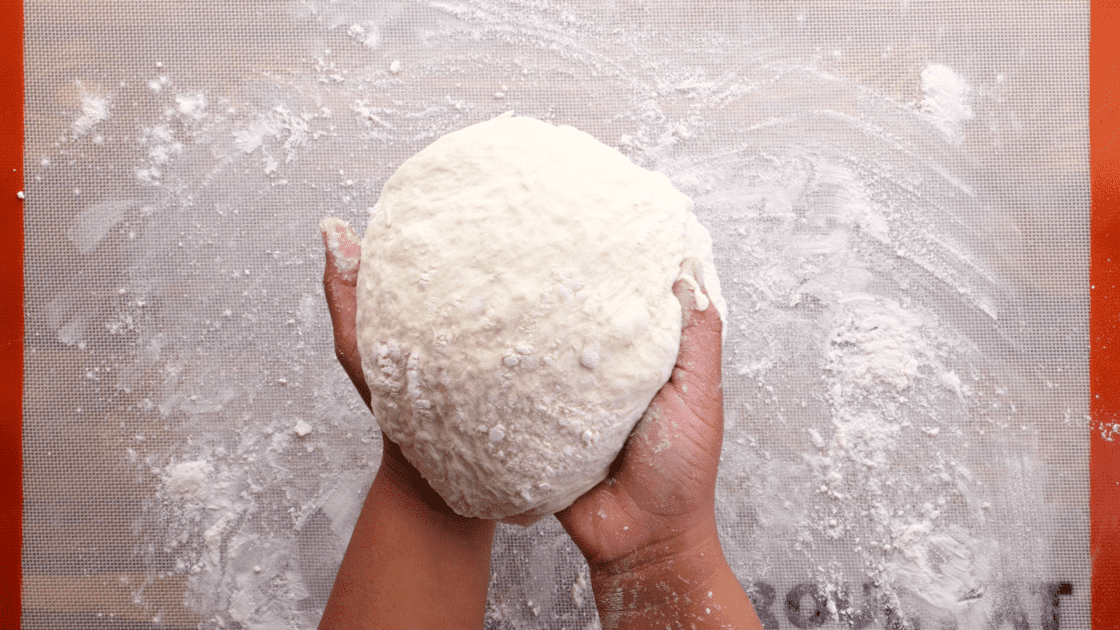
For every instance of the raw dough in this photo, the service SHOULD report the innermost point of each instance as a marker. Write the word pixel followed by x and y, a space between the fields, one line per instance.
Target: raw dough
pixel 516 313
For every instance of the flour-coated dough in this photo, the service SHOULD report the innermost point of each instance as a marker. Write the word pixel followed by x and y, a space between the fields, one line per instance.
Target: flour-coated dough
pixel 516 313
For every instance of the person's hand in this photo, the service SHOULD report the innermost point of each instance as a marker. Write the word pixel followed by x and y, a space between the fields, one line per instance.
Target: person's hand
pixel 661 489
pixel 648 531
pixel 412 562
pixel 340 283
pixel 652 521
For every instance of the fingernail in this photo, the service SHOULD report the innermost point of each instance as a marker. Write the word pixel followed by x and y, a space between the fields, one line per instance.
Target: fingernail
pixel 342 242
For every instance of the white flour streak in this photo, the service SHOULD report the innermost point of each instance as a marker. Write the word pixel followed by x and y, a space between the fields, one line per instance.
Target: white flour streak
pixel 94 110
pixel 946 99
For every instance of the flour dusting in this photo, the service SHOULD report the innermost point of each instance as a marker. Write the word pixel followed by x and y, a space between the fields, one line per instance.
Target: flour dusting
pixel 94 110
pixel 946 99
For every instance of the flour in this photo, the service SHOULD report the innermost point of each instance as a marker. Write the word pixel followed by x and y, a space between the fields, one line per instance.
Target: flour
pixel 163 146
pixel 189 480
pixel 278 123
pixel 580 588
pixel 191 106
pixel 367 33
pixel 879 344
pixel 516 314
pixel 205 495
pixel 95 222
pixel 946 100
pixel 94 110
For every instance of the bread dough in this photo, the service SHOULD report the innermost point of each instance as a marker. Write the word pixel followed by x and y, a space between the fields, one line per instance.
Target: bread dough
pixel 516 313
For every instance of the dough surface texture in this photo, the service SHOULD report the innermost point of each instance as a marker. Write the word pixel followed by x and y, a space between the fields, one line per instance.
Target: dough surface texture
pixel 516 313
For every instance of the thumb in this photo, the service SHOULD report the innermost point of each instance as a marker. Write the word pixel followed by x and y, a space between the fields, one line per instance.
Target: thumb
pixel 695 387
pixel 700 351
pixel 344 251
pixel 340 283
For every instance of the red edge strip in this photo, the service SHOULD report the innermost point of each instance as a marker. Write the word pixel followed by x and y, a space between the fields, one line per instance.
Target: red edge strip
pixel 11 309
pixel 1104 318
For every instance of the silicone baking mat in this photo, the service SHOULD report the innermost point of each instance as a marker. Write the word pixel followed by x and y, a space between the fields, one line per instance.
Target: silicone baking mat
pixel 899 195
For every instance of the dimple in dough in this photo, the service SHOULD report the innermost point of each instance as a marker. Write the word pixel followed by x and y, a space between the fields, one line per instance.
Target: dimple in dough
pixel 516 313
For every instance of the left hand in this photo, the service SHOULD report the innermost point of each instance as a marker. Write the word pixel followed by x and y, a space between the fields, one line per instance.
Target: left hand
pixel 340 283
pixel 411 562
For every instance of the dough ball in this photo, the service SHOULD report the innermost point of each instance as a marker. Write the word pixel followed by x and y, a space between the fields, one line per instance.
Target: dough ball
pixel 516 313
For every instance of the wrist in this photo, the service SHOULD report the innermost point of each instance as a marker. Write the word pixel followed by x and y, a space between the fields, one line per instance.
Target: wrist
pixel 692 586
pixel 399 475
pixel 675 572
pixel 417 505
pixel 408 503
pixel 407 547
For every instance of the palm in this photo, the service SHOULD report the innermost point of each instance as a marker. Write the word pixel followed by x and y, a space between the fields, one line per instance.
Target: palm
pixel 663 484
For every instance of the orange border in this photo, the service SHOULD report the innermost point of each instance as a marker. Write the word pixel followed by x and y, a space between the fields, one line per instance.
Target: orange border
pixel 11 309
pixel 1104 318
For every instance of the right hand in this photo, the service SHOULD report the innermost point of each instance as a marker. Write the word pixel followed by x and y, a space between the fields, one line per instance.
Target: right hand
pixel 660 495
pixel 648 531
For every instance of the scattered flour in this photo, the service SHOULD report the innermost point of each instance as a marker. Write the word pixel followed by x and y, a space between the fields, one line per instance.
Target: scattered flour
pixel 163 147
pixel 846 388
pixel 278 123
pixel 580 588
pixel 94 110
pixel 946 100
pixel 189 480
pixel 191 106
pixel 367 33
pixel 878 344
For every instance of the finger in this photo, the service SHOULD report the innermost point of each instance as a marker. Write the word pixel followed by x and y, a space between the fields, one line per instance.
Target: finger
pixel 693 391
pixel 700 353
pixel 340 274
pixel 344 249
